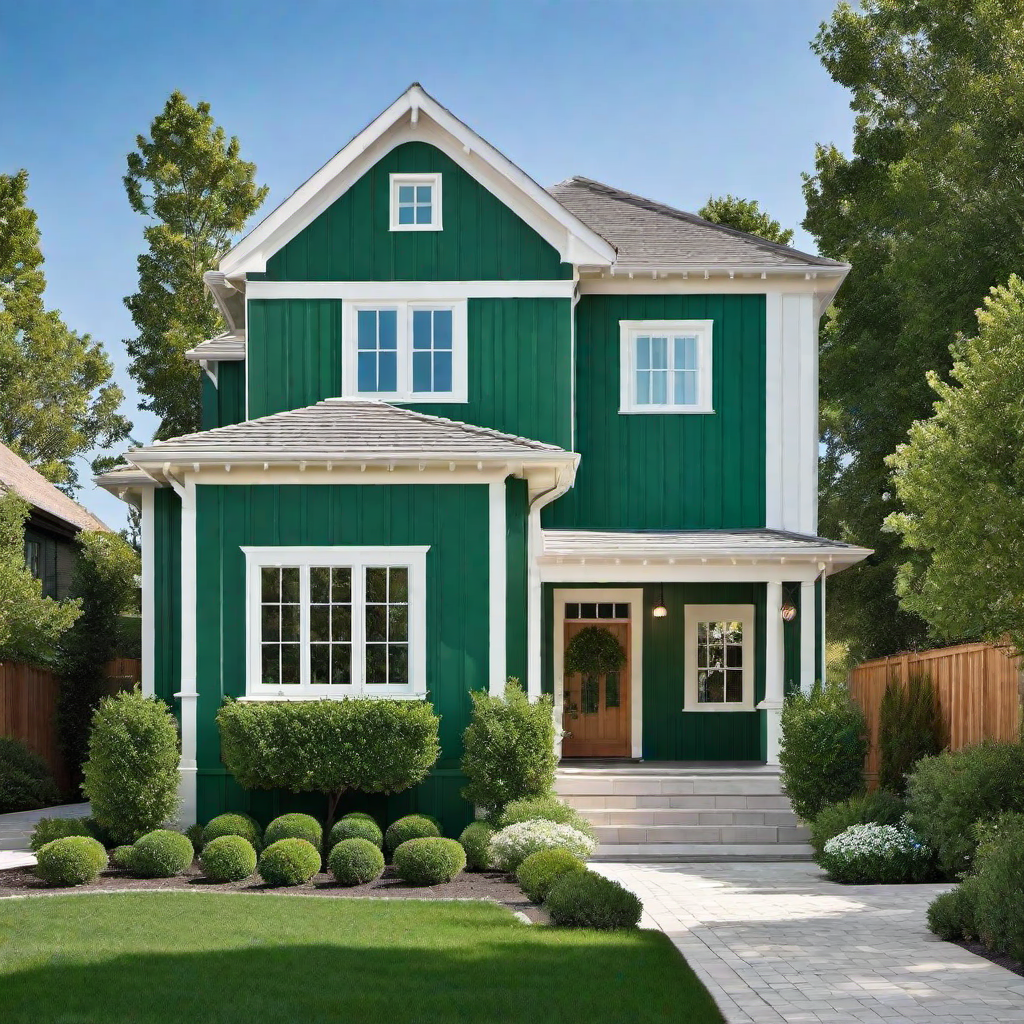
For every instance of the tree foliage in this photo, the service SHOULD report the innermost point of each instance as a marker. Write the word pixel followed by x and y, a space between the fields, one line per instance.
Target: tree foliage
pixel 929 209
pixel 56 398
pixel 188 179
pixel 745 215
pixel 30 625
pixel 910 727
pixel 960 479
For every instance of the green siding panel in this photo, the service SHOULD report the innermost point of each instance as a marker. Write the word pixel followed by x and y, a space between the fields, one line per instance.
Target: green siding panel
pixel 819 633
pixel 676 471
pixel 167 593
pixel 224 402
pixel 481 240
pixel 791 639
pixel 516 578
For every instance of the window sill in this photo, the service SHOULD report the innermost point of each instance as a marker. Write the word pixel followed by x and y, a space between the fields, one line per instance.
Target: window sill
pixel 252 698
pixel 438 399
pixel 718 708
pixel 668 411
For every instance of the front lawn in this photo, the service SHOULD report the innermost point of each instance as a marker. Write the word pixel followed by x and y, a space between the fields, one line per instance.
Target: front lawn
pixel 136 958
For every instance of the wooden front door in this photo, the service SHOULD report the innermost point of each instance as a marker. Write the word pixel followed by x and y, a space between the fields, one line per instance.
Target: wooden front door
pixel 595 708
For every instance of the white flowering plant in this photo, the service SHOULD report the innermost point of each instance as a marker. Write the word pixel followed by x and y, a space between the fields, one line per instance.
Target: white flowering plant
pixel 877 853
pixel 512 845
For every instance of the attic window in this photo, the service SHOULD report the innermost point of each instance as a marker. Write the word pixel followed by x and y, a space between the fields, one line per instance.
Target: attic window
pixel 415 202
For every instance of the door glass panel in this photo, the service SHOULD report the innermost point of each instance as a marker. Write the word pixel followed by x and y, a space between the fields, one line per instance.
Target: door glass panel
pixel 611 690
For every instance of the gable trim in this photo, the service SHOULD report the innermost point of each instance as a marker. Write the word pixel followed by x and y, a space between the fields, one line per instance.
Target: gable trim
pixel 395 291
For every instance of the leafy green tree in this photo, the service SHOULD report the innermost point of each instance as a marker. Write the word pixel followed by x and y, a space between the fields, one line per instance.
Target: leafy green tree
pixel 745 215
pixel 56 399
pixel 30 625
pixel 960 479
pixel 188 179
pixel 929 209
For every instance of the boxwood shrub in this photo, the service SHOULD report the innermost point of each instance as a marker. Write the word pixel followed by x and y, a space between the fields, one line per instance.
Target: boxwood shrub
pixel 234 825
pixel 542 869
pixel 25 780
pixel 73 860
pixel 161 854
pixel 295 826
pixel 951 915
pixel 48 829
pixel 121 857
pixel 997 886
pixel 429 861
pixel 356 826
pixel 544 808
pixel 585 899
pixel 289 862
pixel 879 808
pixel 356 861
pixel 228 859
pixel 195 836
pixel 412 826
pixel 476 841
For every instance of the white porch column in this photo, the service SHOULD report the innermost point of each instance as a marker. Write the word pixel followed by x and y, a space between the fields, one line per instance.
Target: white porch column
pixel 774 685
pixel 498 601
pixel 188 694
pixel 147 510
pixel 535 591
pixel 808 649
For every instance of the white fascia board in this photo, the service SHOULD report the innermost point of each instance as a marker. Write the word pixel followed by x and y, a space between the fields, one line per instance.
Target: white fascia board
pixel 467 148
pixel 587 571
pixel 807 271
pixel 409 291
pixel 720 284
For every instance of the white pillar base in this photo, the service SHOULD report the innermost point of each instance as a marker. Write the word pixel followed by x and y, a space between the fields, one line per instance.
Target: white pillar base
pixel 773 715
pixel 188 809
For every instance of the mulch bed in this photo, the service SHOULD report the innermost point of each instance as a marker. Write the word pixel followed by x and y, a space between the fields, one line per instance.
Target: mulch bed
pixel 477 885
pixel 1002 959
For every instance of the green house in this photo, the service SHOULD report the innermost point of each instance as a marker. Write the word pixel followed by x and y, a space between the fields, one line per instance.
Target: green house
pixel 457 418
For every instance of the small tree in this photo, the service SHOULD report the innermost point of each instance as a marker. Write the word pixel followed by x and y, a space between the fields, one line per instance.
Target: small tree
pixel 745 215
pixel 131 775
pixel 910 727
pixel 329 746
pixel 509 748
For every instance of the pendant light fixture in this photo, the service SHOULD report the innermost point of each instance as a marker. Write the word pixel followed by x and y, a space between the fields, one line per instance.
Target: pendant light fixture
pixel 660 611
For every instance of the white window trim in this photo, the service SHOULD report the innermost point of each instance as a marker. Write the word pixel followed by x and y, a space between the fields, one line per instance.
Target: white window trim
pixel 434 180
pixel 404 392
pixel 358 558
pixel 629 330
pixel 744 613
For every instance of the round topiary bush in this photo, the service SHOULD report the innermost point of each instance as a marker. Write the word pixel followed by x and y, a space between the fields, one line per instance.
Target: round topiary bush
pixel 48 829
pixel 476 841
pixel 356 861
pixel 412 826
pixel 951 915
pixel 289 862
pixel 545 808
pixel 512 845
pixel 234 825
pixel 539 872
pixel 585 899
pixel 228 859
pixel 429 861
pixel 354 826
pixel 161 854
pixel 121 857
pixel 73 860
pixel 295 826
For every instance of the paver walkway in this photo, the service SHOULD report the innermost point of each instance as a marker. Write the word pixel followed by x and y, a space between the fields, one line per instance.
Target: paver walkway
pixel 779 943
pixel 16 829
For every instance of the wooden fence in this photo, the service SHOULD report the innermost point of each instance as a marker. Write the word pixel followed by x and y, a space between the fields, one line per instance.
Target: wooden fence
pixel 28 704
pixel 979 688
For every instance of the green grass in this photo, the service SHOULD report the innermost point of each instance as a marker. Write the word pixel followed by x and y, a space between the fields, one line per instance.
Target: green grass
pixel 136 958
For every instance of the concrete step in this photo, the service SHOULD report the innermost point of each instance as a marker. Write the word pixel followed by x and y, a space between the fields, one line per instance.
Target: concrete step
pixel 612 784
pixel 702 852
pixel 728 834
pixel 587 802
pixel 643 816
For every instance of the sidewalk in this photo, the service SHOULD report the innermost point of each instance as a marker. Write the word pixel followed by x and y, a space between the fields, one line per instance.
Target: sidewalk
pixel 16 829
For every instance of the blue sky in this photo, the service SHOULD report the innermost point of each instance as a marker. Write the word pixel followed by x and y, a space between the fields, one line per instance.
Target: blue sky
pixel 677 100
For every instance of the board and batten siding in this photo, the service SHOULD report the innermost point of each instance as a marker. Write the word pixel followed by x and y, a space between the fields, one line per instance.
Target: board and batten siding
pixel 166 594
pixel 672 471
pixel 224 402
pixel 481 238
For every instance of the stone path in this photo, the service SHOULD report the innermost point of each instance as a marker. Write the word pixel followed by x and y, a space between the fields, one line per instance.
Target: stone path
pixel 15 830
pixel 777 942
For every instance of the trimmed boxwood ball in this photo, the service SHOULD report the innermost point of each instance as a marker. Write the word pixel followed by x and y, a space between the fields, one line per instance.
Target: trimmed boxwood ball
pixel 354 826
pixel 48 829
pixel 161 854
pixel 476 840
pixel 121 857
pixel 429 861
pixel 289 862
pixel 539 872
pixel 73 860
pixel 356 861
pixel 295 826
pixel 234 825
pixel 228 859
pixel 412 826
pixel 585 899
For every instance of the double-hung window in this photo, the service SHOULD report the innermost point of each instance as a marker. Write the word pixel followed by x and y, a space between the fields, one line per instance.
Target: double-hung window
pixel 333 622
pixel 415 202
pixel 665 366
pixel 405 351
pixel 719 662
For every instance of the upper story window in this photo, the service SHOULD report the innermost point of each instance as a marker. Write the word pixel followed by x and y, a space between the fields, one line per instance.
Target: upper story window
pixel 334 622
pixel 415 202
pixel 665 366
pixel 719 661
pixel 405 351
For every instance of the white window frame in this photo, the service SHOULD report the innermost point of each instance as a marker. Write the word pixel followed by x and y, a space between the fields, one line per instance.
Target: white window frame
pixel 630 330
pixel 358 559
pixel 695 613
pixel 404 393
pixel 434 181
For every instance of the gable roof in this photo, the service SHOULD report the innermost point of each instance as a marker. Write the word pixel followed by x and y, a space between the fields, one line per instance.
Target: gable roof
pixel 649 234
pixel 18 476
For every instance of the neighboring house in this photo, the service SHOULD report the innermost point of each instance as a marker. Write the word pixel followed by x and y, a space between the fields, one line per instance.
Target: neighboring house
pixel 53 523
pixel 456 417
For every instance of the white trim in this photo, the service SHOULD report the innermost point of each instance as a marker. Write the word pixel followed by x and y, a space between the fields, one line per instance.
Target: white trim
pixel 720 279
pixel 807 645
pixel 634 597
pixel 395 291
pixel 395 180
pixel 535 602
pixel 630 330
pixel 823 635
pixel 497 590
pixel 188 694
pixel 148 531
pixel 774 671
pixel 459 393
pixel 586 571
pixel 773 443
pixel 696 613
pixel 358 559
